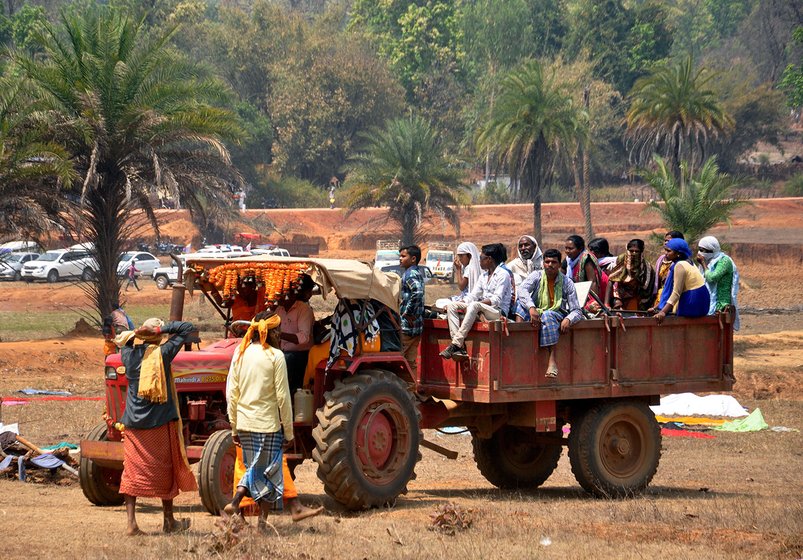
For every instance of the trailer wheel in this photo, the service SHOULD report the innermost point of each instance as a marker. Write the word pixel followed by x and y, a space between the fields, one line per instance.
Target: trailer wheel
pixel 512 458
pixel 216 471
pixel 614 449
pixel 367 440
pixel 101 485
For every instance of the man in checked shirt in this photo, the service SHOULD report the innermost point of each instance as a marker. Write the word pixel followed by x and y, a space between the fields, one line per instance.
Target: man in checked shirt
pixel 412 305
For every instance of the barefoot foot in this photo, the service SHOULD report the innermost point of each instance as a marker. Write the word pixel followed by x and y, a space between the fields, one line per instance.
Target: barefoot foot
pixel 134 532
pixel 175 525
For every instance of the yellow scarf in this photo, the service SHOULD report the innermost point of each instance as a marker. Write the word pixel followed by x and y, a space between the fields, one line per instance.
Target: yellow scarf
pixel 262 327
pixel 152 381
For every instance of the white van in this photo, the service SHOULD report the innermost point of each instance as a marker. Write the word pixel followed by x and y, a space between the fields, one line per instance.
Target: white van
pixel 386 257
pixel 441 263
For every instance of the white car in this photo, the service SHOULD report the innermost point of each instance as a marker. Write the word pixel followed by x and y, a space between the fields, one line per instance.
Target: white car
pixel 165 276
pixel 60 264
pixel 441 262
pixel 145 263
pixel 11 264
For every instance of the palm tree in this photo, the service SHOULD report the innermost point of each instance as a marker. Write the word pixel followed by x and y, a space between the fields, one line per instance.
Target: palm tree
pixel 674 113
pixel 532 124
pixel 135 118
pixel 31 172
pixel 706 201
pixel 403 167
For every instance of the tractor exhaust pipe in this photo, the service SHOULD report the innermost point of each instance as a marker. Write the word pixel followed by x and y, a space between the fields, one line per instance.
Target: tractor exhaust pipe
pixel 177 300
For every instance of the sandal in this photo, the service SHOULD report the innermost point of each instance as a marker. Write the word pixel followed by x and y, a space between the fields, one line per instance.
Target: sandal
pixel 552 371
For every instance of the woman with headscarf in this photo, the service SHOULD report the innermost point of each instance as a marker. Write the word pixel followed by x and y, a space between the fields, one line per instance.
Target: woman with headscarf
pixel 685 289
pixel 662 266
pixel 154 459
pixel 467 271
pixel 530 258
pixel 582 266
pixel 721 276
pixel 632 280
pixel 260 414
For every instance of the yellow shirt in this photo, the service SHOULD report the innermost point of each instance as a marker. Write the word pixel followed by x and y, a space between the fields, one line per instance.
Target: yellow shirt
pixel 258 392
pixel 686 278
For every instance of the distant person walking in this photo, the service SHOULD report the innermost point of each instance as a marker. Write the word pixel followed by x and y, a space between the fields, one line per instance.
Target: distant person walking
pixel 132 277
pixel 154 459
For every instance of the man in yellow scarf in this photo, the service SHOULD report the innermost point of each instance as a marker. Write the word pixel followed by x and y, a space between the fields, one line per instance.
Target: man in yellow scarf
pixel 154 460
pixel 548 299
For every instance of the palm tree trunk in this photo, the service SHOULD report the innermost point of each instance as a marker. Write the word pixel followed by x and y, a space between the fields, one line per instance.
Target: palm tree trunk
pixel 106 219
pixel 585 199
pixel 536 181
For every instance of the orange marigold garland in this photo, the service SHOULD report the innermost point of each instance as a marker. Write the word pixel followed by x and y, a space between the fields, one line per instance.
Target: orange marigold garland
pixel 277 278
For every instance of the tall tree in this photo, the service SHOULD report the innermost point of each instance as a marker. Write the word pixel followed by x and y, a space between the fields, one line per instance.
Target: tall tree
pixel 673 111
pixel 532 124
pixel 135 118
pixel 696 202
pixel 31 172
pixel 404 168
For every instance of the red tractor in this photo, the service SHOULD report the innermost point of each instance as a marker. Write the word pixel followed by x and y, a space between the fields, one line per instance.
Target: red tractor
pixel 366 432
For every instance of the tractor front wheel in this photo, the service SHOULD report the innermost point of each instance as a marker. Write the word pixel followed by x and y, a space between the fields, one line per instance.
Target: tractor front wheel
pixel 367 439
pixel 101 485
pixel 513 458
pixel 216 471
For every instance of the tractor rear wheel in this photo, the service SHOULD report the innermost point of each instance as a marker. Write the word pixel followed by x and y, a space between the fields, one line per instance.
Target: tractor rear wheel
pixel 367 439
pixel 216 471
pixel 615 448
pixel 101 485
pixel 512 458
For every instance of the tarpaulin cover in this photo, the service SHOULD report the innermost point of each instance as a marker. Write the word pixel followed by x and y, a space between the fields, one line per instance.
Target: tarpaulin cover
pixel 685 433
pixel 689 404
pixel 753 423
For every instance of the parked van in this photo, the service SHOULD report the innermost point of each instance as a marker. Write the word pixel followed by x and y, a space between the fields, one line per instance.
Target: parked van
pixel 386 257
pixel 441 262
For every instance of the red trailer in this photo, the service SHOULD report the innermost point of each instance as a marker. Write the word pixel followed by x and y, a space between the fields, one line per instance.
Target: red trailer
pixel 366 433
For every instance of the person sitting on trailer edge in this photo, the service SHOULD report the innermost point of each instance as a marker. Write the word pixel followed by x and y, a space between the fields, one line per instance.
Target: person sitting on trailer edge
pixel 685 290
pixel 490 297
pixel 547 298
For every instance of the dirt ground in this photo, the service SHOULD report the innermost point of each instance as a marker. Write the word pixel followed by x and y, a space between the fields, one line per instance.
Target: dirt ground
pixel 734 496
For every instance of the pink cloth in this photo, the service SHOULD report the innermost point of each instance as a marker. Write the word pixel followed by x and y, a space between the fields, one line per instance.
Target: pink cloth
pixel 297 321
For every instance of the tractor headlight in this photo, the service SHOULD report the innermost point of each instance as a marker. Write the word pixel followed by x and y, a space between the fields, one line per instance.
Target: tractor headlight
pixel 111 373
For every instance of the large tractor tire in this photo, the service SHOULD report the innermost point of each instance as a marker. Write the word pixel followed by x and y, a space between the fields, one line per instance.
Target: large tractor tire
pixel 367 440
pixel 614 448
pixel 216 471
pixel 513 459
pixel 101 485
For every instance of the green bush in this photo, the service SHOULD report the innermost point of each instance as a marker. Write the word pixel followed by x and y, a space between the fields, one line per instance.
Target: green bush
pixel 794 187
pixel 288 192
pixel 493 193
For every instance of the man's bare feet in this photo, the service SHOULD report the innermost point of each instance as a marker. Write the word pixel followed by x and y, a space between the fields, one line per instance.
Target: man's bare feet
pixel 175 525
pixel 134 531
pixel 229 510
pixel 303 512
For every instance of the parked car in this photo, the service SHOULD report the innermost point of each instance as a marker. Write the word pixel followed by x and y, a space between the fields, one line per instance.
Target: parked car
pixel 274 252
pixel 399 271
pixel 165 276
pixel 60 264
pixel 20 247
pixel 441 262
pixel 145 263
pixel 11 264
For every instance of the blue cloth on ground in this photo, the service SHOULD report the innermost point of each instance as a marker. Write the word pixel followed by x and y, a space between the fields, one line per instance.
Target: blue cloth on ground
pixel 30 391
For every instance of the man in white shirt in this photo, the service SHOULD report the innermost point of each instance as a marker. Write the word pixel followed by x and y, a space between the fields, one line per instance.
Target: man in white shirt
pixel 490 297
